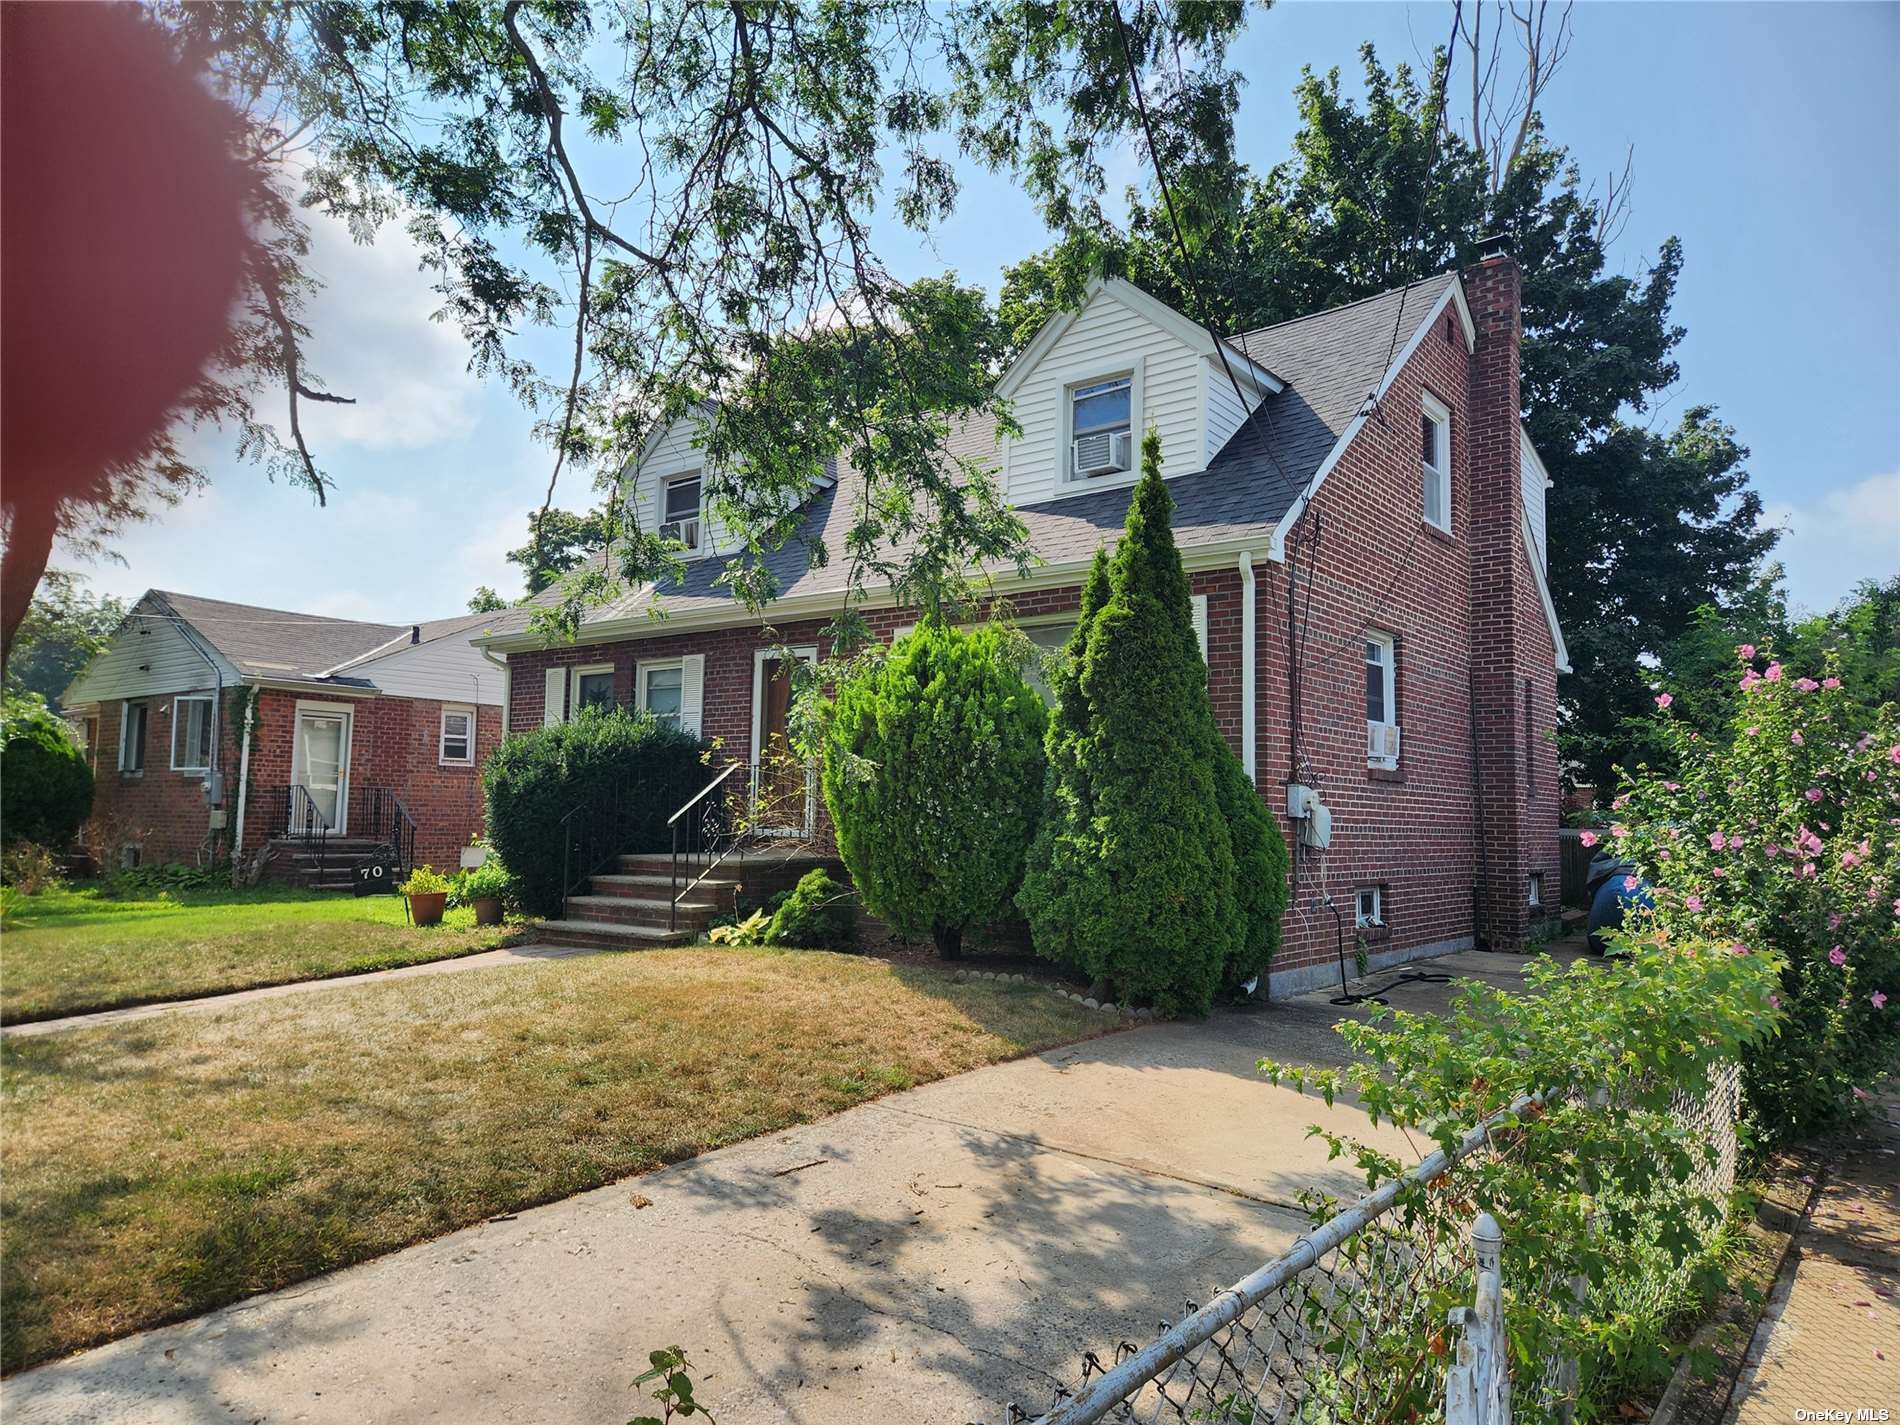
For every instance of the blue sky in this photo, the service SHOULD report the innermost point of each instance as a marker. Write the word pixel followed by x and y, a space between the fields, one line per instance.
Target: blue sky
pixel 1763 138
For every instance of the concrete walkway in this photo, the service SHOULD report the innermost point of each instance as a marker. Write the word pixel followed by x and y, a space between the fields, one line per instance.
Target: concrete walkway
pixel 1830 1337
pixel 481 960
pixel 928 1257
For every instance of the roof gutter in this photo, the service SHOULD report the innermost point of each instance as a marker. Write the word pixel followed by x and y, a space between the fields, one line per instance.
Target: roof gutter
pixel 1220 555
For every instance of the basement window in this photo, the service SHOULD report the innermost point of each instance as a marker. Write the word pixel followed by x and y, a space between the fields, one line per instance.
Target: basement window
pixel 1367 912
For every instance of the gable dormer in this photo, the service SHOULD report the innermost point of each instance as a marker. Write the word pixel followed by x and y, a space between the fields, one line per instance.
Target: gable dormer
pixel 1092 381
pixel 669 489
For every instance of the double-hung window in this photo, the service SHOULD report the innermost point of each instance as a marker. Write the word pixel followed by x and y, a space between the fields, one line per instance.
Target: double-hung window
pixel 191 734
pixel 1101 428
pixel 679 511
pixel 458 737
pixel 1382 707
pixel 1435 463
pixel 593 688
pixel 132 721
pixel 662 690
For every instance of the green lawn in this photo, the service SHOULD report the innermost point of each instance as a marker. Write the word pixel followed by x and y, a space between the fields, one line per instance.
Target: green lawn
pixel 68 951
pixel 155 1169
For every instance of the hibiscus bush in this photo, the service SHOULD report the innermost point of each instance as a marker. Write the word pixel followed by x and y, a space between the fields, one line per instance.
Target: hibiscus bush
pixel 1783 840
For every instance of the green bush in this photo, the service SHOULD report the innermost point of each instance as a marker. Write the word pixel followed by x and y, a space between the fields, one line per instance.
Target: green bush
pixel 1260 867
pixel 166 878
pixel 1131 876
pixel 30 868
pixel 491 878
pixel 45 784
pixel 819 914
pixel 932 756
pixel 535 778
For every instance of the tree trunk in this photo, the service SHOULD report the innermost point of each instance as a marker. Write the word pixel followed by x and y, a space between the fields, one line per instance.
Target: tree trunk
pixel 949 940
pixel 30 531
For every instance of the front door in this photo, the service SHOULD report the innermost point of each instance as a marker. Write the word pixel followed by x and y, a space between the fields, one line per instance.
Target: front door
pixel 322 764
pixel 782 779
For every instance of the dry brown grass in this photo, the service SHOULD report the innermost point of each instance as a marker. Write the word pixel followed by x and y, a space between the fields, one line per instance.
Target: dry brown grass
pixel 160 1168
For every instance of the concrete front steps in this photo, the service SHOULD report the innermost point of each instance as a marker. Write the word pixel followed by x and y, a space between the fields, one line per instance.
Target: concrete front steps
pixel 630 908
pixel 297 861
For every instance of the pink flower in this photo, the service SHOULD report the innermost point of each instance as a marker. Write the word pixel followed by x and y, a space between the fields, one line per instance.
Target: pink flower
pixel 1834 921
pixel 1813 794
pixel 1589 838
pixel 1808 841
pixel 1796 738
pixel 1693 903
pixel 1749 679
pixel 1738 948
pixel 1663 700
pixel 1866 741
pixel 1752 731
pixel 1717 841
pixel 1807 870
pixel 1861 1094
pixel 1830 682
pixel 1718 873
pixel 1773 675
pixel 1772 850
pixel 1672 786
pixel 1746 651
pixel 1879 999
pixel 1893 753
pixel 1806 685
pixel 1630 883
pixel 1837 956
pixel 1774 1001
pixel 1619 831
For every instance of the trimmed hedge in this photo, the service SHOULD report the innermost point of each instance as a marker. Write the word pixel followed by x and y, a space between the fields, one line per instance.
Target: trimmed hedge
pixel 535 778
pixel 931 757
pixel 816 914
pixel 45 784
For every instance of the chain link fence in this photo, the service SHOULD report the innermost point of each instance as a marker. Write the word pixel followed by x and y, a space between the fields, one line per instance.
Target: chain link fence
pixel 1371 1311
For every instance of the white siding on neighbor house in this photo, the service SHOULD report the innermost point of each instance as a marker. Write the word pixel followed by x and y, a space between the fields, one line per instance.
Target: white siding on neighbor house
pixel 1535 481
pixel 1224 411
pixel 448 669
pixel 146 657
pixel 1106 339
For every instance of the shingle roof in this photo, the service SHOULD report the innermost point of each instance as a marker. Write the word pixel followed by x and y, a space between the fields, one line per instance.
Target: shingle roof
pixel 284 643
pixel 1330 361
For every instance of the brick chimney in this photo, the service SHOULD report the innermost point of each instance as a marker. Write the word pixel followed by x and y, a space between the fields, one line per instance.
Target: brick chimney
pixel 1500 597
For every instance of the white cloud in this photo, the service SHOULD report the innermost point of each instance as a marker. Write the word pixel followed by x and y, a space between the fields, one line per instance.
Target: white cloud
pixel 1841 537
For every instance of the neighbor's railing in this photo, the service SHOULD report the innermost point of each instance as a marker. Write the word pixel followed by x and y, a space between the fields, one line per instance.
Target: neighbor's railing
pixel 379 815
pixel 712 825
pixel 1351 1323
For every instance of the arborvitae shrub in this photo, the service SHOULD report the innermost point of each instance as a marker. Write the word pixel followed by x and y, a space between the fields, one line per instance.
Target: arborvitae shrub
pixel 45 784
pixel 933 754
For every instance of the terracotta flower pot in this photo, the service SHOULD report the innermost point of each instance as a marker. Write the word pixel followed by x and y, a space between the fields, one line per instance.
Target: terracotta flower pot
pixel 426 908
pixel 487 910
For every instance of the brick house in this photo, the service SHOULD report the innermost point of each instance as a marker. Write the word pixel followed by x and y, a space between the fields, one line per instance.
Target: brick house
pixel 211 725
pixel 1362 519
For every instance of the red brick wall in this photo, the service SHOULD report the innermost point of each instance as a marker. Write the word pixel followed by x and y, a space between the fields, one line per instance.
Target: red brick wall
pixel 393 745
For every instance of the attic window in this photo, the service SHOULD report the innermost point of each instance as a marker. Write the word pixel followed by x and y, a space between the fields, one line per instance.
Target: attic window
pixel 1435 463
pixel 1101 428
pixel 679 517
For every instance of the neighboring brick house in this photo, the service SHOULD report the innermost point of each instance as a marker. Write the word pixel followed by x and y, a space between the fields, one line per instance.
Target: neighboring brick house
pixel 1366 498
pixel 344 719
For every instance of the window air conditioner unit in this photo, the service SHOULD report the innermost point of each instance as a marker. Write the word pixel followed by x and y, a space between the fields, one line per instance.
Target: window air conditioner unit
pixel 685 531
pixel 1104 452
pixel 1382 746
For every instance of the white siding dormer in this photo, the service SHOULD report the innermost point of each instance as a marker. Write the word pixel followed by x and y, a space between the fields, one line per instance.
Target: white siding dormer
pixel 673 458
pixel 1536 480
pixel 1171 364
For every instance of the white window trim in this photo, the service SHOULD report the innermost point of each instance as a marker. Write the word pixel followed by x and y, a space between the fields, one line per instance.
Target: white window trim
pixel 665 483
pixel 1436 411
pixel 1534 890
pixel 586 670
pixel 442 735
pixel 1377 920
pixel 1066 481
pixel 125 722
pixel 648 667
pixel 346 773
pixel 1391 661
pixel 178 702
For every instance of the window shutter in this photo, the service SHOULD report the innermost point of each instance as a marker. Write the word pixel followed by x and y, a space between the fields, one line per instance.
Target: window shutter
pixel 554 709
pixel 1200 623
pixel 692 690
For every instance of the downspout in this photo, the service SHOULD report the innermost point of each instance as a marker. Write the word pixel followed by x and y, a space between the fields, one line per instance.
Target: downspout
pixel 507 687
pixel 244 786
pixel 1247 676
pixel 213 773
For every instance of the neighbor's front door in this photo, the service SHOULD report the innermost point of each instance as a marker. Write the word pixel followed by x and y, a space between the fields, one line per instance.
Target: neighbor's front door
pixel 323 764
pixel 783 780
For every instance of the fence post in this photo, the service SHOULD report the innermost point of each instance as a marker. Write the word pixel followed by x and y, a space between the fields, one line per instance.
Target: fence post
pixel 1478 1386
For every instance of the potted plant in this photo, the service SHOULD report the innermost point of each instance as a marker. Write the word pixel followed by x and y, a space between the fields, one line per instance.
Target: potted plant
pixel 427 891
pixel 484 887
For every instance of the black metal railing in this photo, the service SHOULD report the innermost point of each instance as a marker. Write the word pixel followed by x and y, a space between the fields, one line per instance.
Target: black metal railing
pixel 378 814
pixel 294 815
pixel 597 830
pixel 714 823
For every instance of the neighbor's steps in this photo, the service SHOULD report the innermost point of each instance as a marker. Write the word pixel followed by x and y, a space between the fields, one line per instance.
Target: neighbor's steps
pixel 610 935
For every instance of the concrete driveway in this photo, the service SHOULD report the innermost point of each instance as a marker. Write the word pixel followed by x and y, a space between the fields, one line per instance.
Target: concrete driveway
pixel 928 1257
